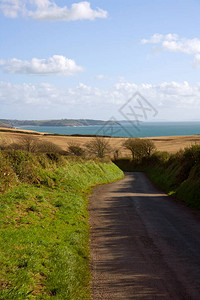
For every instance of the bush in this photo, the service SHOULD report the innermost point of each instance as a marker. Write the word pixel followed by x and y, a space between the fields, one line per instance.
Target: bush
pixel 160 157
pixel 28 143
pixel 116 154
pixel 32 144
pixel 47 147
pixel 24 165
pixel 75 149
pixel 4 142
pixel 15 147
pixel 99 147
pixel 177 174
pixel 192 154
pixel 8 177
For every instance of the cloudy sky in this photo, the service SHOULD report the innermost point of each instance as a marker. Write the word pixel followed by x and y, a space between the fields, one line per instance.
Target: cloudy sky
pixel 86 59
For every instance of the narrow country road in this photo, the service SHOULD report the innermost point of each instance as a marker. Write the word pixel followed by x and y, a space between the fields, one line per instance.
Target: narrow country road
pixel 144 245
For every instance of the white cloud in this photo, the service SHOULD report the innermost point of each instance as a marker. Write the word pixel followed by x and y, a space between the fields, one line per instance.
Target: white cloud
pixel 154 39
pixel 183 45
pixel 197 61
pixel 173 43
pixel 172 93
pixel 100 76
pixel 48 10
pixel 172 100
pixel 55 65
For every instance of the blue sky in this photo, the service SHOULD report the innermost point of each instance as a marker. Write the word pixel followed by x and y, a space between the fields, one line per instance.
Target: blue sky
pixel 67 59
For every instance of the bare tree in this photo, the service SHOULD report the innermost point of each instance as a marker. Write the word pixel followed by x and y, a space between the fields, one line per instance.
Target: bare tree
pixel 28 143
pixel 99 147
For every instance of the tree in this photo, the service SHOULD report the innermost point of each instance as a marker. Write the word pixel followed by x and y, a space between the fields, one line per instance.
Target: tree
pixel 134 146
pixel 139 147
pixel 99 147
pixel 28 143
pixel 149 146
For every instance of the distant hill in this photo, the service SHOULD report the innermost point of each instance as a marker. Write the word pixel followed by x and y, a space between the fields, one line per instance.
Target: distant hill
pixel 5 125
pixel 62 122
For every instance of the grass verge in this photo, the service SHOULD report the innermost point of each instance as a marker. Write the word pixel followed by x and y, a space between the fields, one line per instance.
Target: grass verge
pixel 176 174
pixel 44 232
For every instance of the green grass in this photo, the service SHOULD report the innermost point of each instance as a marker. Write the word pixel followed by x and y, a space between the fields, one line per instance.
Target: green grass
pixel 188 190
pixel 176 174
pixel 44 231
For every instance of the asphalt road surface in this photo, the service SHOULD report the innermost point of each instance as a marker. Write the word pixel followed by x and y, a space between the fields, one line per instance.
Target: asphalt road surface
pixel 144 245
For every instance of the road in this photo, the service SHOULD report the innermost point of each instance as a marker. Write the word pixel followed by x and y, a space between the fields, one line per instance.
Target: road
pixel 144 245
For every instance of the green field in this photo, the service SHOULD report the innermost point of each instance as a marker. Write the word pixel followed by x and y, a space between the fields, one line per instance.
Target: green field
pixel 44 231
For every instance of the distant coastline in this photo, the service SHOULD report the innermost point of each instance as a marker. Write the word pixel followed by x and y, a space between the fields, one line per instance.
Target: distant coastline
pixel 82 127
pixel 149 129
pixel 54 123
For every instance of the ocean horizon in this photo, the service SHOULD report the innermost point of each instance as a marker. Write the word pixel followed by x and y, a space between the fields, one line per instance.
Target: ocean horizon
pixel 146 129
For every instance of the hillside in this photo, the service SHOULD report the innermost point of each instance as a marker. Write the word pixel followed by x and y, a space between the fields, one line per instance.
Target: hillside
pixel 5 124
pixel 62 122
pixel 44 231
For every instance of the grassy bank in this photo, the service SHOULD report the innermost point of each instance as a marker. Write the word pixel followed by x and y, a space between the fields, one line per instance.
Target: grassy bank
pixel 44 232
pixel 177 174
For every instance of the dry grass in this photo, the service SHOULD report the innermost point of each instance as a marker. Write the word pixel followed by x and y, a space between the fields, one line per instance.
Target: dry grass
pixel 171 144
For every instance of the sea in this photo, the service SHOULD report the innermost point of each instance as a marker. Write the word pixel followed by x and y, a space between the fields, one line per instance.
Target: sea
pixel 125 129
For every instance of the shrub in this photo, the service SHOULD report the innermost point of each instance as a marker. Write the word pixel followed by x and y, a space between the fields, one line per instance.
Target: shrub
pixel 47 147
pixel 192 154
pixel 4 142
pixel 24 165
pixel 7 177
pixel 15 147
pixel 160 157
pixel 28 143
pixel 75 149
pixel 116 154
pixel 99 147
pixel 33 144
pixel 177 174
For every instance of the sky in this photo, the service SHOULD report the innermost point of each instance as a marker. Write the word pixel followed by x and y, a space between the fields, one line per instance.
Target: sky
pixel 100 59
